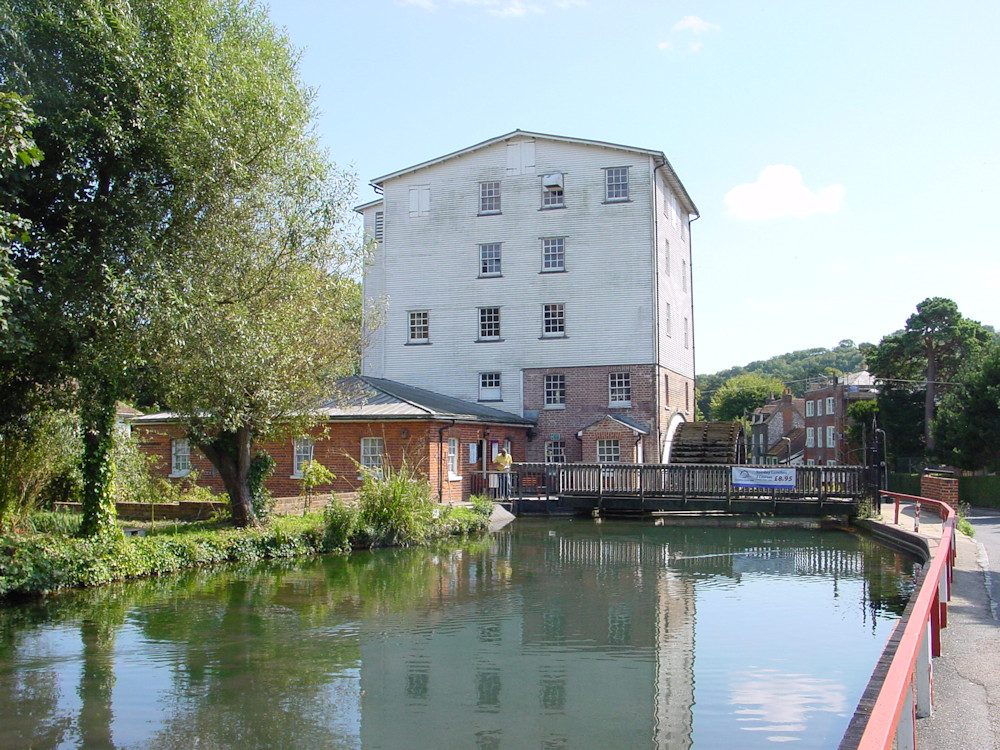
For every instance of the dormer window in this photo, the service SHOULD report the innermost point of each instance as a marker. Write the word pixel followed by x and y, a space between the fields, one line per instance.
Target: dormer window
pixel 552 190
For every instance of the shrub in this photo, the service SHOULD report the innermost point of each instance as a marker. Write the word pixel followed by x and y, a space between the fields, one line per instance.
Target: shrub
pixel 261 467
pixel 340 523
pixel 38 463
pixel 395 508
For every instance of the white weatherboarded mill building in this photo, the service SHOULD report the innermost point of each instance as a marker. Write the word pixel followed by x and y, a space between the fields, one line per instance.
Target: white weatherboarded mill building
pixel 546 276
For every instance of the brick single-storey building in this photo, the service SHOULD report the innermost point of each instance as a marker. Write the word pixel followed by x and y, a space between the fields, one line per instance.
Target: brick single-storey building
pixel 369 424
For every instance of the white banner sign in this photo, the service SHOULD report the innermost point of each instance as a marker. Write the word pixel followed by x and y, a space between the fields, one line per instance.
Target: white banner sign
pixel 776 479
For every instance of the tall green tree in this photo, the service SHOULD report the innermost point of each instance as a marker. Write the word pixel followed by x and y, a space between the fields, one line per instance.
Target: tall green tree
pixel 968 420
pixel 97 74
pixel 182 205
pixel 928 353
pixel 740 395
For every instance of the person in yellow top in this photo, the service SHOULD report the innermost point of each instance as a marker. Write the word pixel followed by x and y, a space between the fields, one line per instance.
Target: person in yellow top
pixel 502 463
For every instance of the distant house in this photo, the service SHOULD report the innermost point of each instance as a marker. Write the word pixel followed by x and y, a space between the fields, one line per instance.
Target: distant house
pixel 826 418
pixel 773 436
pixel 543 276
pixel 369 424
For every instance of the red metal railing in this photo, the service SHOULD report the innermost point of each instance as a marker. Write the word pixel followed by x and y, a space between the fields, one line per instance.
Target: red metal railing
pixel 906 690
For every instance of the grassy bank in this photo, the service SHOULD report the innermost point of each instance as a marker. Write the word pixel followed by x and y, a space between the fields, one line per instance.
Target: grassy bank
pixel 45 555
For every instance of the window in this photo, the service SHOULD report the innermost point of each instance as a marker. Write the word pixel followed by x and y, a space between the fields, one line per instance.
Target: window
pixel 552 191
pixel 372 451
pixel 819 438
pixel 379 227
pixel 810 437
pixel 830 440
pixel 303 454
pixel 420 200
pixel 489 323
pixel 555 452
pixel 666 319
pixel 684 275
pixel 180 457
pixel 620 389
pixel 687 333
pixel 554 320
pixel 489 386
pixel 553 254
pixel 489 259
pixel 489 197
pixel 810 408
pixel 819 407
pixel 555 391
pixel 829 404
pixel 666 390
pixel 453 459
pixel 616 184
pixel 608 452
pixel 419 328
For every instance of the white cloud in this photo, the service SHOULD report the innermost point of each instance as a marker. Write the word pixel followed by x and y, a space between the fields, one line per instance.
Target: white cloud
pixel 779 192
pixel 687 26
pixel 695 24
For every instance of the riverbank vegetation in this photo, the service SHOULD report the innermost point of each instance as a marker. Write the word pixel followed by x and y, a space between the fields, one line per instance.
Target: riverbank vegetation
pixel 46 553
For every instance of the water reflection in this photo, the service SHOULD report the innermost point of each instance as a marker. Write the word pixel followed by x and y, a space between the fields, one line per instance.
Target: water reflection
pixel 561 634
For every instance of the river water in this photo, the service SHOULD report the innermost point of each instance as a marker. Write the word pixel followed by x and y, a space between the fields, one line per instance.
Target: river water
pixel 549 634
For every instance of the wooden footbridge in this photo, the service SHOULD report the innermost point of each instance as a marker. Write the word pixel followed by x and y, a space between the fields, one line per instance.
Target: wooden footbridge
pixel 637 488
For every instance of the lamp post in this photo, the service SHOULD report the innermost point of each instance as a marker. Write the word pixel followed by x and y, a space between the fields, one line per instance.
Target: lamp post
pixel 788 455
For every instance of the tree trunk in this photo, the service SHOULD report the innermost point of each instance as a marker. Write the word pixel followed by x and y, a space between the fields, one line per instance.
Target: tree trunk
pixel 97 417
pixel 930 398
pixel 229 453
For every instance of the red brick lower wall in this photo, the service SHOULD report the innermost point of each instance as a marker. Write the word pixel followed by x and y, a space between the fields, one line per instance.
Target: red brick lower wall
pixel 944 489
pixel 423 446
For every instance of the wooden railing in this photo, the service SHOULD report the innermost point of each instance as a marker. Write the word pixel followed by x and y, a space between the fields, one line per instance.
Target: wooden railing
pixel 681 481
pixel 905 693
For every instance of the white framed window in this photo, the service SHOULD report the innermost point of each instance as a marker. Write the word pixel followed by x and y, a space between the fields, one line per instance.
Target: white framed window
pixel 819 437
pixel 684 275
pixel 420 201
pixel 379 225
pixel 303 453
pixel 620 389
pixel 608 452
pixel 555 452
pixel 667 310
pixel 453 459
pixel 419 328
pixel 372 455
pixel 615 184
pixel 489 259
pixel 830 439
pixel 687 333
pixel 489 323
pixel 489 387
pixel 810 408
pixel 489 197
pixel 811 462
pixel 810 437
pixel 553 254
pixel 819 407
pixel 554 319
pixel 555 391
pixel 829 405
pixel 180 457
pixel 552 190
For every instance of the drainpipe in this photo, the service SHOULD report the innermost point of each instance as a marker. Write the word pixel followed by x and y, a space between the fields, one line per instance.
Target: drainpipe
pixel 442 458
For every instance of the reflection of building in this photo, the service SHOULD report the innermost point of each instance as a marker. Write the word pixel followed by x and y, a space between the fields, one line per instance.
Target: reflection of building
pixel 525 663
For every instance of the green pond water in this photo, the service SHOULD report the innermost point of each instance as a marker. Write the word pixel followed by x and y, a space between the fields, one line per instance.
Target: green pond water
pixel 549 634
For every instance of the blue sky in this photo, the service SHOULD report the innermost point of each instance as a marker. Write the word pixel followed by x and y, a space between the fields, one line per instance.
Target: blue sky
pixel 844 157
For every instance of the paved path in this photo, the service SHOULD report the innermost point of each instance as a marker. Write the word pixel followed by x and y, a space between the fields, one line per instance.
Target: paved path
pixel 967 674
